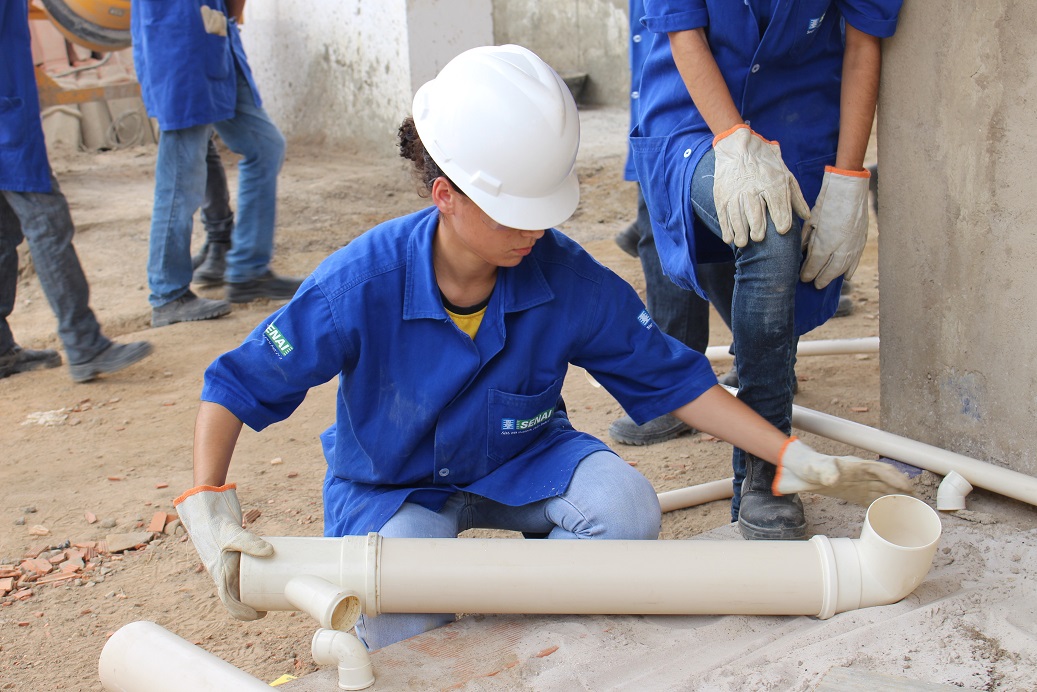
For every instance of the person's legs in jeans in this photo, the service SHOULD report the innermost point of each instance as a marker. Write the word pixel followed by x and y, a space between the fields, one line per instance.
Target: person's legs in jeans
pixel 218 219
pixel 46 223
pixel 762 320
pixel 251 134
pixel 179 191
pixel 678 312
pixel 606 499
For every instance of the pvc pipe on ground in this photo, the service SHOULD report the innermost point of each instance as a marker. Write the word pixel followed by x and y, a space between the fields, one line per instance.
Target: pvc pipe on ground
pixel 981 474
pixel 145 657
pixel 819 577
pixel 821 347
pixel 696 495
pixel 950 496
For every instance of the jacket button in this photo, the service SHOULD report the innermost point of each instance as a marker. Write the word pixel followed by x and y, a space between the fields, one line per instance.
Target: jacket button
pixel 444 472
pixel 755 68
pixel 687 153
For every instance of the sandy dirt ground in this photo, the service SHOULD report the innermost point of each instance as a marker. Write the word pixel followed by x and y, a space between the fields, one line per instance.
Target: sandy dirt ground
pixel 88 461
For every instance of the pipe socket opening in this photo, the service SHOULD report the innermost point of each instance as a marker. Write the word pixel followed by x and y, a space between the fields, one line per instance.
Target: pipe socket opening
pixel 330 605
pixel 904 522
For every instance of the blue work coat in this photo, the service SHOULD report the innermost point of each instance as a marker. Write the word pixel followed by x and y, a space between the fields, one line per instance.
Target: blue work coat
pixel 187 77
pixel 785 83
pixel 423 410
pixel 23 152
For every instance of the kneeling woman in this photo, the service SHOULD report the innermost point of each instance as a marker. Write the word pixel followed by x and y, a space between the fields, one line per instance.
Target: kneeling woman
pixel 451 331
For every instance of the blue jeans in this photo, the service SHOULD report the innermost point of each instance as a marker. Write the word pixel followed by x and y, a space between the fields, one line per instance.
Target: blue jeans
pixel 762 315
pixel 606 499
pixel 43 219
pixel 180 175
pixel 681 313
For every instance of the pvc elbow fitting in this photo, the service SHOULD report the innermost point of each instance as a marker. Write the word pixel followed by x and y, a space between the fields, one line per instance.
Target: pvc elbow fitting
pixel 329 604
pixel 331 647
pixel 951 494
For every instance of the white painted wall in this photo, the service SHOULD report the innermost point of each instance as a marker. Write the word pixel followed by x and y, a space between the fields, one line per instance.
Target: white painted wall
pixel 345 71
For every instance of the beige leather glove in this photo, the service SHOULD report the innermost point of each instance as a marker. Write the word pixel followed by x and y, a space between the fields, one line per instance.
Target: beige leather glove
pixel 801 469
pixel 750 180
pixel 212 517
pixel 835 234
pixel 215 22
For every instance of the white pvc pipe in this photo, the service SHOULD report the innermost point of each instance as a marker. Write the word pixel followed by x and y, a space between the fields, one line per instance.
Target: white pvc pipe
pixel 818 577
pixel 331 647
pixel 979 473
pixel 950 496
pixel 696 495
pixel 821 347
pixel 144 657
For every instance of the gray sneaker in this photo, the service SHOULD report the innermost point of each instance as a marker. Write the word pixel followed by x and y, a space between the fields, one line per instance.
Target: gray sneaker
pixel 188 308
pixel 112 359
pixel 665 427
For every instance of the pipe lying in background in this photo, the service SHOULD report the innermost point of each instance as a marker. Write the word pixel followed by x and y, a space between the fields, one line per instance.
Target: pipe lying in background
pixel 145 657
pixel 819 577
pixel 821 347
pixel 696 495
pixel 981 474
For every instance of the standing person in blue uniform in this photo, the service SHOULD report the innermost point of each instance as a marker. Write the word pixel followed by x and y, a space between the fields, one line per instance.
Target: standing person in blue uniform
pixel 679 312
pixel 451 331
pixel 33 208
pixel 723 85
pixel 194 77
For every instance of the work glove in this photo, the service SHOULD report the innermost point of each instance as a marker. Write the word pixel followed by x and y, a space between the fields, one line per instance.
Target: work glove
pixel 215 22
pixel 801 469
pixel 837 229
pixel 212 517
pixel 751 179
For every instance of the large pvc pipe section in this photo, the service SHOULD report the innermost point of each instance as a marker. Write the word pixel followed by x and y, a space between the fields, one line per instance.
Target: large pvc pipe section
pixel 821 347
pixel 144 657
pixel 695 495
pixel 978 473
pixel 819 577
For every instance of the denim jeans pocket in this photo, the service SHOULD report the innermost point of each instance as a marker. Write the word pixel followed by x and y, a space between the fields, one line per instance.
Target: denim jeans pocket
pixel 516 420
pixel 14 122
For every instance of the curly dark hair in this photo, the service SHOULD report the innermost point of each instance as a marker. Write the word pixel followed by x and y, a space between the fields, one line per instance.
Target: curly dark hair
pixel 425 169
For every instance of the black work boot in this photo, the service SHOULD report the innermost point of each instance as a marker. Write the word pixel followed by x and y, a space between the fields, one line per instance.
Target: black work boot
pixel 763 516
pixel 209 273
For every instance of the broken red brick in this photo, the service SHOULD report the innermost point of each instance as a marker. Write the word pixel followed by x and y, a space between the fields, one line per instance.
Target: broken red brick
pixel 252 515
pixel 39 530
pixel 90 517
pixel 160 486
pixel 158 522
pixel 6 584
pixel 115 478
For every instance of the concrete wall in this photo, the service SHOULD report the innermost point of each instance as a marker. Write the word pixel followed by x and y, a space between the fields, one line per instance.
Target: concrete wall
pixel 573 36
pixel 344 71
pixel 958 220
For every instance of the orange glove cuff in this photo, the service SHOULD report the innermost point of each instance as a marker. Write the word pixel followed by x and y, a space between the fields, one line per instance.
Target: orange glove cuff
pixel 777 474
pixel 853 174
pixel 204 488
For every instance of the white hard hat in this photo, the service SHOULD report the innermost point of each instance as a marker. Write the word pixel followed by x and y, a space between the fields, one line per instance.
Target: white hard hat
pixel 503 126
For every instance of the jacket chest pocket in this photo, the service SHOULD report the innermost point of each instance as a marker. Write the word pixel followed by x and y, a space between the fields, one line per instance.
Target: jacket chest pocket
pixel 516 420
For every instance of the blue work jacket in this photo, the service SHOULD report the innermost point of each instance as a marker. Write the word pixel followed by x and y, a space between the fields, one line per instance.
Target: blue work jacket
pixel 785 83
pixel 187 77
pixel 424 410
pixel 23 152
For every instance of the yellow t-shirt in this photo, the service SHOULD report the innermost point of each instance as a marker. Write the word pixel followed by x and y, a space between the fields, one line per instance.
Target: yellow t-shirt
pixel 469 324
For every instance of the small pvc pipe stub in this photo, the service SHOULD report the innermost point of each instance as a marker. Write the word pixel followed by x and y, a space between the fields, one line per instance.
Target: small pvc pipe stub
pixel 950 496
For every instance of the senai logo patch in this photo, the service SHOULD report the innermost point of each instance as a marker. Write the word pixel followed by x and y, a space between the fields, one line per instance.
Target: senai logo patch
pixel 514 425
pixel 645 319
pixel 277 340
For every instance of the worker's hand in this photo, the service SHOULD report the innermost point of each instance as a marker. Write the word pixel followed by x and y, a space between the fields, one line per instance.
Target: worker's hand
pixel 751 179
pixel 837 229
pixel 212 517
pixel 215 22
pixel 801 469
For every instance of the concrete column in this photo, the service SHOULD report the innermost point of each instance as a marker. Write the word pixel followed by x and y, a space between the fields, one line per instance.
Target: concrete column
pixel 958 229
pixel 345 71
